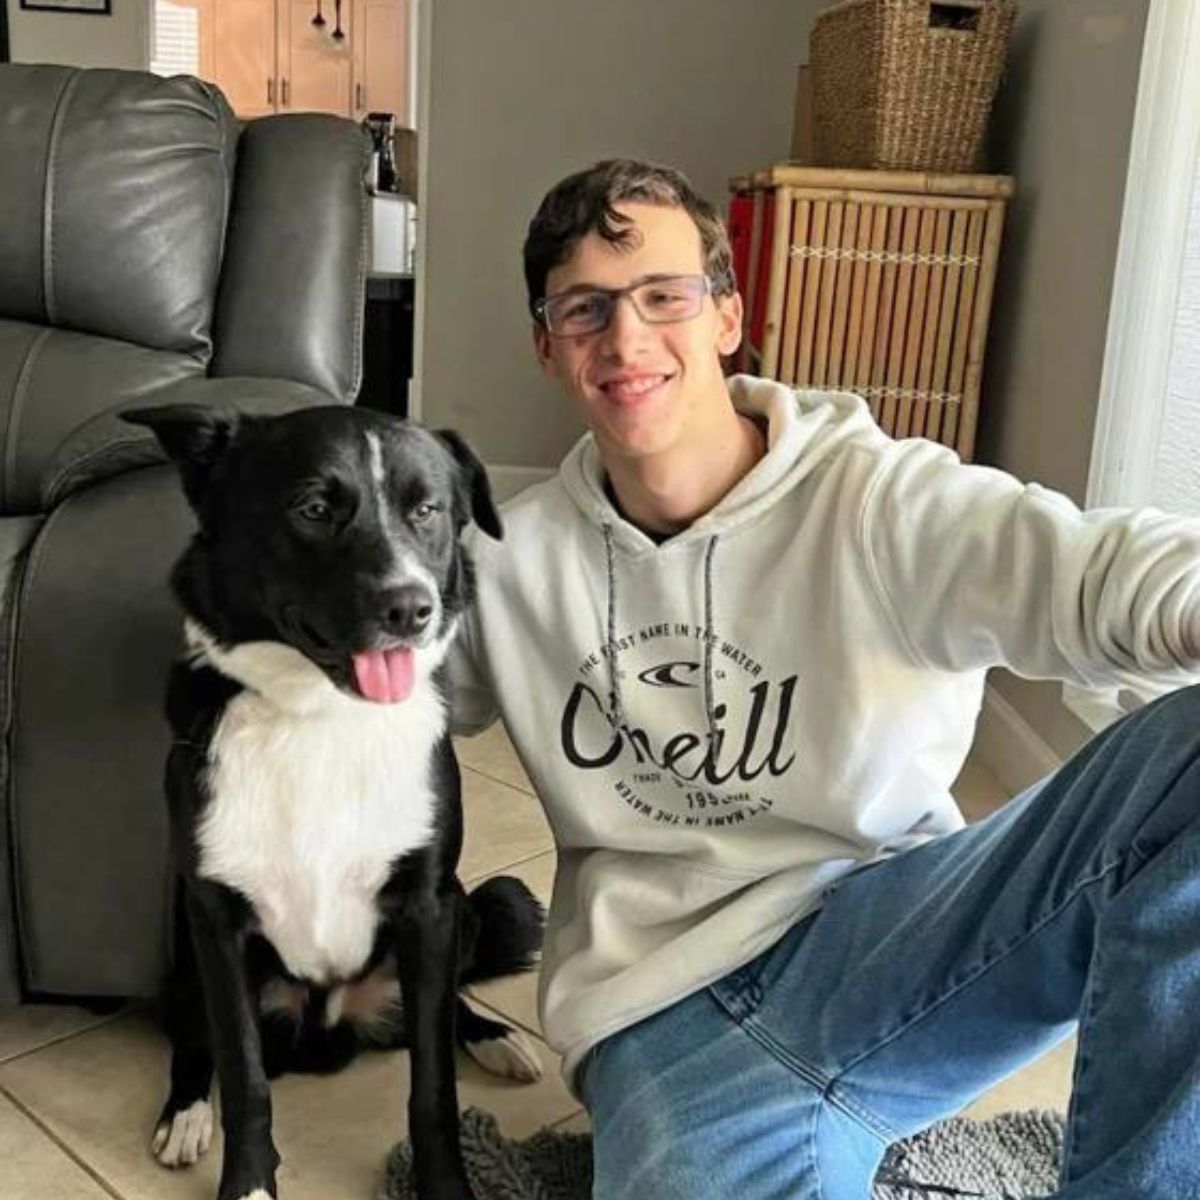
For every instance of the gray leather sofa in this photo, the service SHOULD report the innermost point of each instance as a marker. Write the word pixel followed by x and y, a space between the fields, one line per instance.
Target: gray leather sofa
pixel 152 250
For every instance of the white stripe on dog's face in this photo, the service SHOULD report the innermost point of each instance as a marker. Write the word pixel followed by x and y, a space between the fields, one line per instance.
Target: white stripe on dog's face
pixel 405 568
pixel 378 474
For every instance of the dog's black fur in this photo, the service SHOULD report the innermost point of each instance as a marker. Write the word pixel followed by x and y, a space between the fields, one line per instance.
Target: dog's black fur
pixel 306 525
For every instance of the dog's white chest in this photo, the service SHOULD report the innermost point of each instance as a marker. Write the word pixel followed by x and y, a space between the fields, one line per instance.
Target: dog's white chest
pixel 309 810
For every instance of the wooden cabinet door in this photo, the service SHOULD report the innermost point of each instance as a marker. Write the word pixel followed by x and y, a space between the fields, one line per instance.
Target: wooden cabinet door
pixel 244 55
pixel 381 58
pixel 314 68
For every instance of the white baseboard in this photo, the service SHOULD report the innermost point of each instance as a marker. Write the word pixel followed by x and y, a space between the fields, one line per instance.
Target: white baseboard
pixel 1006 744
pixel 507 481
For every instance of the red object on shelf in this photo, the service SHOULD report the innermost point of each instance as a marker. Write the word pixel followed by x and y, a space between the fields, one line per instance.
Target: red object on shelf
pixel 762 285
pixel 740 224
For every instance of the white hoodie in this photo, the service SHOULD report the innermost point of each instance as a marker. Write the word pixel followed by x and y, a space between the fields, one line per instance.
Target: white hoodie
pixel 793 681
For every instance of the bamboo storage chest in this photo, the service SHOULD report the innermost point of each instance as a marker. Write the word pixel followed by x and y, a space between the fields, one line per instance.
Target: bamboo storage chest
pixel 875 282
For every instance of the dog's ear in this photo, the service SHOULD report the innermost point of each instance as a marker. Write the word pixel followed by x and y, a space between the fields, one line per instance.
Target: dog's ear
pixel 475 486
pixel 194 437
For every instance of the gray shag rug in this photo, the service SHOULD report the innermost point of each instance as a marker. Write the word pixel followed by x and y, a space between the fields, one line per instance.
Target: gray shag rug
pixel 1010 1157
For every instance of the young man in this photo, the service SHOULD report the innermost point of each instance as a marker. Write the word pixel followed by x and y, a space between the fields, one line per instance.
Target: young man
pixel 739 644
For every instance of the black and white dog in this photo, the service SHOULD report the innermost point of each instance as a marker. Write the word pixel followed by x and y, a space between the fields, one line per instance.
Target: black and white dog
pixel 314 798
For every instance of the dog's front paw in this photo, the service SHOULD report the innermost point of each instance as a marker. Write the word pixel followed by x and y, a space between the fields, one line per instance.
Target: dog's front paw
pixel 511 1056
pixel 240 1183
pixel 248 1169
pixel 181 1140
pixel 240 1193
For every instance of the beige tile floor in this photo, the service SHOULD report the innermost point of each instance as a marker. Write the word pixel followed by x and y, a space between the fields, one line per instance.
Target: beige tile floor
pixel 79 1093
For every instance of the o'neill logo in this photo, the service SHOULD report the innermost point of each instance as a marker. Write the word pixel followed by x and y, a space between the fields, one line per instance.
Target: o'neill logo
pixel 671 674
pixel 667 762
pixel 687 755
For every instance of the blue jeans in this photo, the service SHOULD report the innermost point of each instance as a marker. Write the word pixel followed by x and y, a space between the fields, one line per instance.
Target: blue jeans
pixel 925 979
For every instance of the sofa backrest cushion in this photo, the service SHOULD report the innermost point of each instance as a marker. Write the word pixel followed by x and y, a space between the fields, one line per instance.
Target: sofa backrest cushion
pixel 114 197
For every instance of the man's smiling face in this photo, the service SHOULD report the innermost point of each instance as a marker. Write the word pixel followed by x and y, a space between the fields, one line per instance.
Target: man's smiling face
pixel 643 389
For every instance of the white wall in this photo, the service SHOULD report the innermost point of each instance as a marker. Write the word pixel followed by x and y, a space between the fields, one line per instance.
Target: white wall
pixel 520 94
pixel 81 39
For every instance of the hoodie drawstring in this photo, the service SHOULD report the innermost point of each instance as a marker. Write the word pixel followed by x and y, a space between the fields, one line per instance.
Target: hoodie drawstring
pixel 616 710
pixel 616 707
pixel 710 705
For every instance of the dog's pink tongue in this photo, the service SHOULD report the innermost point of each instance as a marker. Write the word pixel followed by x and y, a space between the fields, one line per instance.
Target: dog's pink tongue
pixel 385 676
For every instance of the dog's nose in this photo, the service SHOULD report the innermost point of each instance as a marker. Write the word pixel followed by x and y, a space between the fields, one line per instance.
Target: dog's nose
pixel 406 611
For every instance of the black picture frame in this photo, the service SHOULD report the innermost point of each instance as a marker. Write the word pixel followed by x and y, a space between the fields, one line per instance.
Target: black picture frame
pixel 91 8
pixel 3 31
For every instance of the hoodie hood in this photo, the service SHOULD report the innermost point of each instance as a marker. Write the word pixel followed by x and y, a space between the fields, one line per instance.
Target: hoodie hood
pixel 804 428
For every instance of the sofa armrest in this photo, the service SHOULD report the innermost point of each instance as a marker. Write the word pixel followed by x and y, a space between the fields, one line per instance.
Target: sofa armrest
pixel 95 632
pixel 16 536
pixel 293 281
pixel 105 445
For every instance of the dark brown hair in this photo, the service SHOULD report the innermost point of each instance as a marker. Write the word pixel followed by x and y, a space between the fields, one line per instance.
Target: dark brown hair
pixel 585 203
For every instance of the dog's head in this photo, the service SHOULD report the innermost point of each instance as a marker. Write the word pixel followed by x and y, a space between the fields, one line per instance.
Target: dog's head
pixel 333 530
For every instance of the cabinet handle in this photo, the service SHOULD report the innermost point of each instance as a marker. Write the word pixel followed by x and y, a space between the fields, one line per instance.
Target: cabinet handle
pixel 270 91
pixel 358 96
pixel 283 91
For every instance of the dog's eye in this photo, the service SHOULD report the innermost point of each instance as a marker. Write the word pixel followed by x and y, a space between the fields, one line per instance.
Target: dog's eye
pixel 316 511
pixel 423 512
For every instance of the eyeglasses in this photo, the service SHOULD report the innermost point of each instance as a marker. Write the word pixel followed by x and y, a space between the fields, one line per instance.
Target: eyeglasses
pixel 659 301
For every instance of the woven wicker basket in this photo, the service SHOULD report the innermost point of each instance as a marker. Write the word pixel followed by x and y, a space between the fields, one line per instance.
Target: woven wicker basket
pixel 906 84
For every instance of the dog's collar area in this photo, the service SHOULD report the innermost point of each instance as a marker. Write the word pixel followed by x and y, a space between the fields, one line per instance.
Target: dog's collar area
pixel 279 673
pixel 289 679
